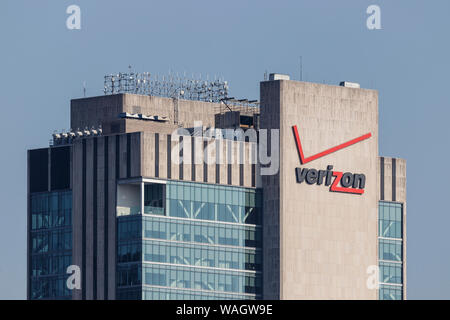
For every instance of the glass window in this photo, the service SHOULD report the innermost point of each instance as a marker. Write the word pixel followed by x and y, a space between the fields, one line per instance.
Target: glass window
pixel 51 244
pixel 390 250
pixel 390 219
pixel 173 263
pixel 391 272
pixel 391 292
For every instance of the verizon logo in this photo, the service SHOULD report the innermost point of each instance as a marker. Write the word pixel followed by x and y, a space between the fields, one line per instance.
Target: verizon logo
pixel 338 181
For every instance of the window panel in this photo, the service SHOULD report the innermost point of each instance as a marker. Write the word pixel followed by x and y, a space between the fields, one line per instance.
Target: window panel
pixel 51 244
pixel 196 240
pixel 390 292
pixel 391 272
pixel 390 220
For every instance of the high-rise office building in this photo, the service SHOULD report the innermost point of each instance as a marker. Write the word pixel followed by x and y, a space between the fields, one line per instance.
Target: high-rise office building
pixel 182 194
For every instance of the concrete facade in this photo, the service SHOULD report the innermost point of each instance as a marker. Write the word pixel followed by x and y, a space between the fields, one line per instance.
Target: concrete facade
pixel 122 157
pixel 325 241
pixel 104 110
pixel 317 244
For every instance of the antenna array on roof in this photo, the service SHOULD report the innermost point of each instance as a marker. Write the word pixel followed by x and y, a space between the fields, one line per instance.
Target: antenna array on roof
pixel 171 86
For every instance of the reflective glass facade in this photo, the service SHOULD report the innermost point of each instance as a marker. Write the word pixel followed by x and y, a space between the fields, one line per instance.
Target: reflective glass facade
pixel 51 244
pixel 204 243
pixel 390 249
pixel 391 292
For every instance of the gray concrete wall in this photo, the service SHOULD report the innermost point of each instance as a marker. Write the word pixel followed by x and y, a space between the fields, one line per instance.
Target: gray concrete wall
pixel 77 212
pixel 392 189
pixel 105 110
pixel 94 207
pixel 87 112
pixel 101 218
pixel 270 119
pixel 326 239
pixel 127 156
pixel 152 158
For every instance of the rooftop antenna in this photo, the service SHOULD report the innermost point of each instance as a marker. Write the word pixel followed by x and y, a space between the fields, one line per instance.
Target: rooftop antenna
pixel 265 75
pixel 84 89
pixel 171 86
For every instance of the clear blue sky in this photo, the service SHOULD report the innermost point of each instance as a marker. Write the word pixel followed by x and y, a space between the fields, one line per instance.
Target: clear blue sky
pixel 43 66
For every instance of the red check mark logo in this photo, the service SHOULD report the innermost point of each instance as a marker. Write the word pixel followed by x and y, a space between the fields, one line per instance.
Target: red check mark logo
pixel 304 160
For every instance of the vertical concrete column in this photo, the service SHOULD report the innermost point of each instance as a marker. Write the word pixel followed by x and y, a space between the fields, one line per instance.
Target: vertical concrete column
pixel 198 158
pixel 187 158
pixel 123 156
pixel 112 194
pixel 89 224
pixel 135 156
pixel 270 92
pixel 236 169
pixel 148 157
pixel 175 152
pixel 223 147
pixel 163 156
pixel 77 191
pixel 211 157
pixel 100 217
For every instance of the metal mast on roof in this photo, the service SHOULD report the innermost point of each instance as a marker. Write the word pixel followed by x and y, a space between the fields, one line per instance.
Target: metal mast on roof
pixel 172 86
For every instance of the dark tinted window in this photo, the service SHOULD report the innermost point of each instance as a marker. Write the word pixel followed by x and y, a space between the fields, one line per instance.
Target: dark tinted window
pixel 60 168
pixel 38 166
